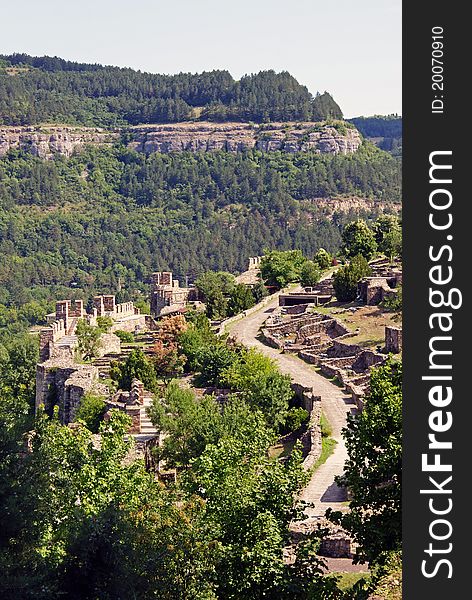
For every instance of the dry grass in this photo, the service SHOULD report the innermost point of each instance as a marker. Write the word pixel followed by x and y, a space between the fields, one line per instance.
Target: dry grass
pixel 367 322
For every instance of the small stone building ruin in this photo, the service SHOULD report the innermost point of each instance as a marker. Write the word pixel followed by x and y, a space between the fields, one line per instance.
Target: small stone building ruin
pixel 381 285
pixel 166 294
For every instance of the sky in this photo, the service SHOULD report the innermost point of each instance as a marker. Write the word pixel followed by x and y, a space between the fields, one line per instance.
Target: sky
pixel 351 48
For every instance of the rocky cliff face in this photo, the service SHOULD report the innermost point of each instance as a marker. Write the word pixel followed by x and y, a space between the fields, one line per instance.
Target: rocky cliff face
pixel 45 142
pixel 234 137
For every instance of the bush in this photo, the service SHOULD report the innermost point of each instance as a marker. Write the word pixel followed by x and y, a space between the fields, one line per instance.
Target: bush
pixel 136 366
pixel 323 259
pixel 295 418
pixel 125 336
pixel 346 279
pixel 309 274
pixel 91 410
pixel 104 324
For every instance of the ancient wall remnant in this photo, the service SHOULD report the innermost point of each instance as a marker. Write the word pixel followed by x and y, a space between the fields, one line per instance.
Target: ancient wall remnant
pixel 393 339
pixel 62 382
pixel 166 294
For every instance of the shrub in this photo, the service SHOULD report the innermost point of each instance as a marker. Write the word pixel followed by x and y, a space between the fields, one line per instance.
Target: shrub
pixel 346 279
pixel 295 418
pixel 91 410
pixel 323 259
pixel 125 336
pixel 309 274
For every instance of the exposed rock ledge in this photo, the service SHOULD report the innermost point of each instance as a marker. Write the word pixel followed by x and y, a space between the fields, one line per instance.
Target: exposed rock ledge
pixel 45 141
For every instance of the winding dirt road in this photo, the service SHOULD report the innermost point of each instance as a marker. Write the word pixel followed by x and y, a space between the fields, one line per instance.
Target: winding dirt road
pixel 321 491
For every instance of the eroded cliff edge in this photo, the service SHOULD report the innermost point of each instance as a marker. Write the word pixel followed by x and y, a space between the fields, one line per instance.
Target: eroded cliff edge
pixel 47 140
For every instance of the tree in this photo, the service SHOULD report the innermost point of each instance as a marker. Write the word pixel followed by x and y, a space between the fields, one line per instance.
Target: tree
pixel 88 338
pixel 358 238
pixel 167 361
pixel 241 298
pixel 91 410
pixel 262 385
pixel 279 268
pixel 249 501
pixel 212 360
pixel 373 471
pixel 309 274
pixel 388 235
pixel 323 259
pixel 197 336
pixel 136 366
pixel 259 291
pixel 382 225
pixel 170 328
pixel 76 525
pixel 345 280
pixel 215 288
pixel 392 243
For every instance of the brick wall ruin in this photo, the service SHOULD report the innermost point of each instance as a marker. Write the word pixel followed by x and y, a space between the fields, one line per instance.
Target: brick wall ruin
pixel 166 294
pixel 62 382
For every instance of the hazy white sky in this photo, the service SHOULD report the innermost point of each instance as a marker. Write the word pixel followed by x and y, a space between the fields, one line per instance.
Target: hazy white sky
pixel 351 48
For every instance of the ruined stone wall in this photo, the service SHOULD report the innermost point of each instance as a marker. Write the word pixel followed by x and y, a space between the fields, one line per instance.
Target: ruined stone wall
pixel 311 439
pixel 393 339
pixel 340 349
pixel 140 322
pixel 49 336
pixel 63 383
pixel 109 344
pixel 337 545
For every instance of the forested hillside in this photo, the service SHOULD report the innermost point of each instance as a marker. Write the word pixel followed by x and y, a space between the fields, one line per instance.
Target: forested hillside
pixel 386 131
pixel 104 218
pixel 44 89
pixel 111 213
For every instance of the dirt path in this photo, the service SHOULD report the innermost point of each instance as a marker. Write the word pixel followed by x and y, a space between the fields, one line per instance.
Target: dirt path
pixel 321 490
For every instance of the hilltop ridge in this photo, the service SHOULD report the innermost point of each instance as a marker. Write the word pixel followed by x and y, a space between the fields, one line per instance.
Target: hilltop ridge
pixel 50 89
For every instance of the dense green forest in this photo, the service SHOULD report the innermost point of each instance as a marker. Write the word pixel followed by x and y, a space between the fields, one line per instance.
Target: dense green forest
pixel 45 89
pixel 388 128
pixel 104 219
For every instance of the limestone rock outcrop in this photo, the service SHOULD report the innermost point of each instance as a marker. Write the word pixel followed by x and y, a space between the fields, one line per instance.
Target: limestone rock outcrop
pixel 235 137
pixel 47 141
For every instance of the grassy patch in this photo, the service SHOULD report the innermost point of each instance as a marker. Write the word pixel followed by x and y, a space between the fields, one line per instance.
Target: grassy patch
pixel 346 581
pixel 367 322
pixel 283 449
pixel 328 444
pixel 326 430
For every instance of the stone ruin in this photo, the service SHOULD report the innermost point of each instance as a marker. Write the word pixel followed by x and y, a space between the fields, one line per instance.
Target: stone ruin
pixel 321 340
pixel 252 275
pixel 60 379
pixel 393 340
pixel 381 285
pixel 167 296
pixel 318 295
pixel 60 332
